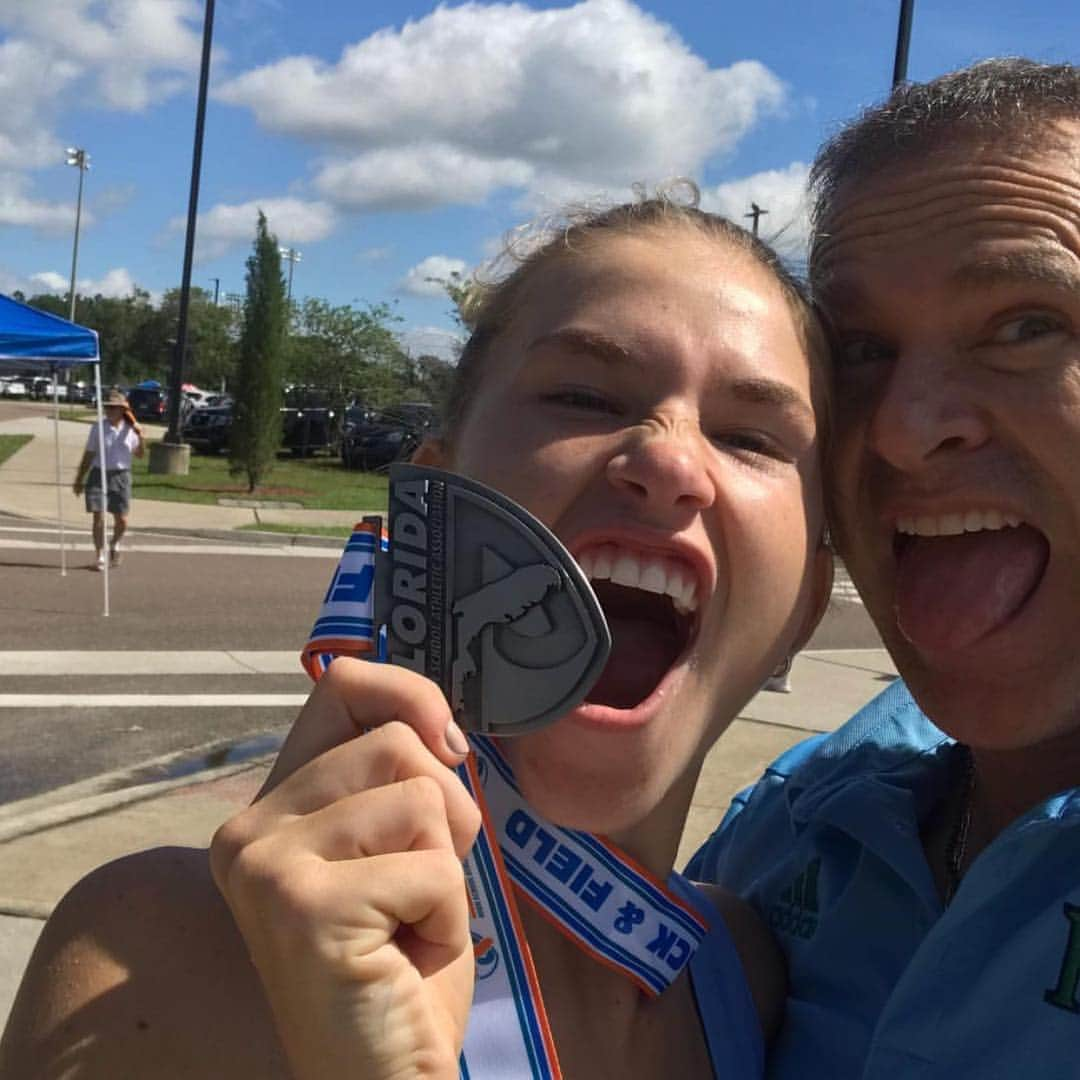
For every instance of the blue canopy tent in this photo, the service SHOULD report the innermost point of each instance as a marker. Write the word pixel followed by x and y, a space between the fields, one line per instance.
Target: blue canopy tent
pixel 29 339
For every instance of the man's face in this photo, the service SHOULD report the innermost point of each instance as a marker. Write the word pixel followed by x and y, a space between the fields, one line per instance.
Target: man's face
pixel 955 289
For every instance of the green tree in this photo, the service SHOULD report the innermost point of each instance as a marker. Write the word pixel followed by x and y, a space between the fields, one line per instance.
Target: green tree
pixel 256 429
pixel 348 353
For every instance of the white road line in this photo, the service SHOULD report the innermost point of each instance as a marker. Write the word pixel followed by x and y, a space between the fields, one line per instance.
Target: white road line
pixel 150 701
pixel 134 663
pixel 290 551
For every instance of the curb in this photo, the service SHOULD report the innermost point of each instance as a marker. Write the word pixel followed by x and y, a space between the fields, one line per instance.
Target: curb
pixel 95 805
pixel 236 536
pixel 107 792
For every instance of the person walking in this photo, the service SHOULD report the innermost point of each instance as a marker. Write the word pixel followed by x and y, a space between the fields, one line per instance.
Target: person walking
pixel 123 440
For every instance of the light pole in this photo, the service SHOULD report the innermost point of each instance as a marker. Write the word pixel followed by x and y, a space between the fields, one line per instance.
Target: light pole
pixel 172 454
pixel 292 257
pixel 903 42
pixel 81 160
pixel 217 285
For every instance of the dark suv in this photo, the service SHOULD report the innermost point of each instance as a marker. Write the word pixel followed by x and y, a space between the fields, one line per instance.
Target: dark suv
pixel 208 429
pixel 392 434
pixel 149 403
pixel 307 421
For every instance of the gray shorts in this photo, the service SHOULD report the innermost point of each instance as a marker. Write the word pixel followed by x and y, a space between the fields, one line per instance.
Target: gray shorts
pixel 118 482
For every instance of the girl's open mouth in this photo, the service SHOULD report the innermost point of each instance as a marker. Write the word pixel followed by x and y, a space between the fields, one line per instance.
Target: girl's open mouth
pixel 650 603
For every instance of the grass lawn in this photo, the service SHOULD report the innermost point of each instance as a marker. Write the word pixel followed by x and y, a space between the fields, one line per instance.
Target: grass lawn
pixel 299 530
pixel 316 483
pixel 10 443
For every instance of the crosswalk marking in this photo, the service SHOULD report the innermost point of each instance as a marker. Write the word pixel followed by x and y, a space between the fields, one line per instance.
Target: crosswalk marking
pixel 149 701
pixel 119 662
pixel 264 550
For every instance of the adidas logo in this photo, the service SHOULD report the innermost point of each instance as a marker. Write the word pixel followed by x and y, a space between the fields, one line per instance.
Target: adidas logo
pixel 796 910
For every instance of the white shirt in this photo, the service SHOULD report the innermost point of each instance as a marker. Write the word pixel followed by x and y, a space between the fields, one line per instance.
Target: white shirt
pixel 120 443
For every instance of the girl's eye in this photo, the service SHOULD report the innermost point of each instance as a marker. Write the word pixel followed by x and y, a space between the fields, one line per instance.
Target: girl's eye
pixel 1026 328
pixel 578 398
pixel 859 352
pixel 748 442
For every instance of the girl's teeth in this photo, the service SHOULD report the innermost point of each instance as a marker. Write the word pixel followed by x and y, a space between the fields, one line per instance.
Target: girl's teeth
pixel 653 577
pixel 626 571
pixel 653 574
pixel 601 564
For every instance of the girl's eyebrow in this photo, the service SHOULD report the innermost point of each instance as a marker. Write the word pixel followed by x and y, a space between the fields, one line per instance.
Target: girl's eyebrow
pixel 584 341
pixel 751 390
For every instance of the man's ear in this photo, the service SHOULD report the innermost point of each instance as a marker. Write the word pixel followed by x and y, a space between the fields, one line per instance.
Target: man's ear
pixel 432 451
pixel 822 593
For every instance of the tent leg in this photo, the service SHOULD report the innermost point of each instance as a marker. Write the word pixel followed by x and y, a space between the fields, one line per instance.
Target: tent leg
pixel 104 482
pixel 59 474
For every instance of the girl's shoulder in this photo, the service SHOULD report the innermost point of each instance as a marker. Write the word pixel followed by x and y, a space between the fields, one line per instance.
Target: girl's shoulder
pixel 762 961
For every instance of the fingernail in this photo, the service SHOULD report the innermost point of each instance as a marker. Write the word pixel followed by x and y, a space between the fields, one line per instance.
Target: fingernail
pixel 455 739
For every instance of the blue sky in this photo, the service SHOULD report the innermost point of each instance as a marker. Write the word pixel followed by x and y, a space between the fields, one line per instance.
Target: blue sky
pixel 391 142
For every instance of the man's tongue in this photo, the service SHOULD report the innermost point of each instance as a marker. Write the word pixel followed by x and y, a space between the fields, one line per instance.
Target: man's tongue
pixel 953 590
pixel 641 653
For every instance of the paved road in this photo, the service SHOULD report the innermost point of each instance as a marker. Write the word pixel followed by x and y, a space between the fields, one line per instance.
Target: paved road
pixel 218 620
pixel 208 633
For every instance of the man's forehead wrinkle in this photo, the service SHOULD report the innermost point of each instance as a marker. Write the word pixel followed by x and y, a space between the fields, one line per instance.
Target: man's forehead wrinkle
pixel 1045 264
pixel 1018 211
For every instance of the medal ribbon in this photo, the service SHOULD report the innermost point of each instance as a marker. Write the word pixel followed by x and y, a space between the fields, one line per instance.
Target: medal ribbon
pixel 593 893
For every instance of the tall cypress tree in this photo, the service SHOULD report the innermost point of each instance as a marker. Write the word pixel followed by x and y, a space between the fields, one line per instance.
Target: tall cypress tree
pixel 256 428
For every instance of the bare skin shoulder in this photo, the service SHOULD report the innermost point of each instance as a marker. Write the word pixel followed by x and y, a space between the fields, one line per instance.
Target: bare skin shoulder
pixel 141 972
pixel 762 961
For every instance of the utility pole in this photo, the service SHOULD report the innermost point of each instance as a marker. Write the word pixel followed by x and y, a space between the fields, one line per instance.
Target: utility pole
pixel 903 42
pixel 81 160
pixel 755 212
pixel 217 285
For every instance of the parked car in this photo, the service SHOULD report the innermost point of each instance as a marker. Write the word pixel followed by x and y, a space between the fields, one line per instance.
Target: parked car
pixel 386 436
pixel 208 429
pixel 307 421
pixel 13 388
pixel 81 393
pixel 41 388
pixel 149 403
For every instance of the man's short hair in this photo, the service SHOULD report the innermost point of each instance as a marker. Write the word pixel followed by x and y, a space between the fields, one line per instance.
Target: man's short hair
pixel 1008 95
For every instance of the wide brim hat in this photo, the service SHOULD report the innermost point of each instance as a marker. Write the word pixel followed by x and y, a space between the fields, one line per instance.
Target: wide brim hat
pixel 115 397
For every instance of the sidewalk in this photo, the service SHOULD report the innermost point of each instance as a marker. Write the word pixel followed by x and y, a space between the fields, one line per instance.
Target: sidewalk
pixel 28 489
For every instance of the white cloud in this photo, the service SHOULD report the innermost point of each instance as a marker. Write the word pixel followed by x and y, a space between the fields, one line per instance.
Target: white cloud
pixel 417 177
pixel 17 207
pixel 782 192
pixel 125 54
pixel 479 97
pixel 135 52
pixel 425 277
pixel 432 341
pixel 224 227
pixel 116 283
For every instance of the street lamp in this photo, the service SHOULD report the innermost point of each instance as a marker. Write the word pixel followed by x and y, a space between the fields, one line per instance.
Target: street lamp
pixel 81 160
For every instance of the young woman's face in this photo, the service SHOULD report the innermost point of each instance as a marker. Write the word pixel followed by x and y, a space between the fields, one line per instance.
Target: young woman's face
pixel 650 402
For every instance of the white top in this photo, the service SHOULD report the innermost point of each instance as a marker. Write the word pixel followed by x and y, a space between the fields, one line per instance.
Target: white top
pixel 120 443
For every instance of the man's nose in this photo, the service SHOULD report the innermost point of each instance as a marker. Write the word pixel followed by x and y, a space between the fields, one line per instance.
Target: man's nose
pixel 925 409
pixel 663 466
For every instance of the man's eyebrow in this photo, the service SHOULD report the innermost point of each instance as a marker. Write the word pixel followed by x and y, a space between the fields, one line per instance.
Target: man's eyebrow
pixel 584 342
pixel 1046 267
